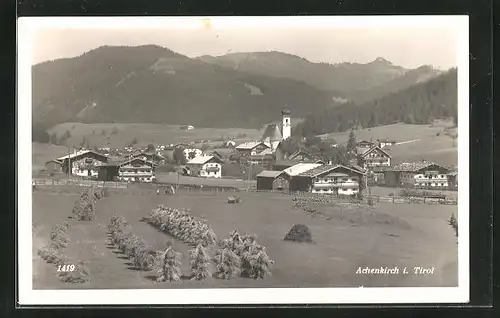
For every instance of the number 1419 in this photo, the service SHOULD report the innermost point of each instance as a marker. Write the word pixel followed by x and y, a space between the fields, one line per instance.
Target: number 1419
pixel 66 268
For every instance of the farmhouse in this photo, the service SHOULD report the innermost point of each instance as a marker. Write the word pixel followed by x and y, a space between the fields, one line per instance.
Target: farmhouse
pixel 222 154
pixel 301 155
pixel 136 170
pixel 382 143
pixel 82 163
pixel 335 179
pixel 422 174
pixel 250 148
pixel 373 157
pixel 205 166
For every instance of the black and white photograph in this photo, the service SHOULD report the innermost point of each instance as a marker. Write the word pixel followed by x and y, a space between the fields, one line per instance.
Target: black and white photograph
pixel 243 160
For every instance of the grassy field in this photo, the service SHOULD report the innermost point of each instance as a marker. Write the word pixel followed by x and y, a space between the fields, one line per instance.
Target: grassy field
pixel 407 235
pixel 429 142
pixel 119 135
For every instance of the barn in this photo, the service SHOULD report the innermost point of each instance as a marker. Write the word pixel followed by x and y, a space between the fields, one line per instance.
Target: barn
pixel 269 180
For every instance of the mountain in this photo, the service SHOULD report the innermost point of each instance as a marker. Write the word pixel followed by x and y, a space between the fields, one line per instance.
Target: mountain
pixel 352 81
pixel 419 104
pixel 152 84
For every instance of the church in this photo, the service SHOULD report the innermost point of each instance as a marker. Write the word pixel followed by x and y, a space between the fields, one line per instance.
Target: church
pixel 271 140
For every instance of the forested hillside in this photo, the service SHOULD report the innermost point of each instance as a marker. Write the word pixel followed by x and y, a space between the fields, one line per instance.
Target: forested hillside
pixel 419 104
pixel 151 84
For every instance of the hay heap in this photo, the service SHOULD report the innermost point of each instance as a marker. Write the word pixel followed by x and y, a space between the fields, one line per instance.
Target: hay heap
pixel 81 274
pixel 199 263
pixel 182 225
pixel 299 233
pixel 171 266
pixel 59 239
pixel 244 252
pixel 84 208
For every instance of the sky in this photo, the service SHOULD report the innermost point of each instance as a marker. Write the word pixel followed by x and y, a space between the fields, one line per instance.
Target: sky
pixel 409 47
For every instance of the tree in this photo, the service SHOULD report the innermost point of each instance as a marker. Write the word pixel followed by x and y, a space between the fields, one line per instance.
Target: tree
pixel 151 148
pixel 179 157
pixel 351 143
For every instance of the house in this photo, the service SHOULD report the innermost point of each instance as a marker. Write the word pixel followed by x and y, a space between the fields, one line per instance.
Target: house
pixel 267 180
pixel 263 159
pixel 205 166
pixel 334 179
pixel 373 157
pixel 223 154
pixel 133 170
pixel 82 163
pixel 421 174
pixel 301 155
pixel 188 127
pixel 250 148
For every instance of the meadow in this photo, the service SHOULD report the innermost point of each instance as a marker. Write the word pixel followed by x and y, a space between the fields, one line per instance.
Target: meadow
pixel 417 142
pixel 121 134
pixel 394 235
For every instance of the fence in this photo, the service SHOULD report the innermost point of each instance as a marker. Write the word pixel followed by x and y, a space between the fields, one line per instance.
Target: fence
pixel 367 198
pixel 80 183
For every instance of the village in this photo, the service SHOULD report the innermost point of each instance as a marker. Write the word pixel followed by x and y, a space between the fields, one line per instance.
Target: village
pixel 261 165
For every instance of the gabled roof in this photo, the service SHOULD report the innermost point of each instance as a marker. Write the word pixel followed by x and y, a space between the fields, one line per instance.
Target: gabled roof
pixel 414 166
pixel 298 152
pixel 80 153
pixel 325 169
pixel 300 168
pixel 249 145
pixel 200 160
pixel 269 174
pixel 373 149
pixel 135 159
pixel 271 134
pixel 55 161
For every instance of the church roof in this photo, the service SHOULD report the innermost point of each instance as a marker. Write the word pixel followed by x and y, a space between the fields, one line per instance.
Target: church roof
pixel 272 133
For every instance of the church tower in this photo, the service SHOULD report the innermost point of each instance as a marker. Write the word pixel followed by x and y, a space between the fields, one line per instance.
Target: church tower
pixel 286 124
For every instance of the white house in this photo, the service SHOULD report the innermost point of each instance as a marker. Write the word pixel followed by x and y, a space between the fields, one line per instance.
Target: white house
pixel 205 166
pixel 373 157
pixel 334 179
pixel 422 174
pixel 136 170
pixel 83 163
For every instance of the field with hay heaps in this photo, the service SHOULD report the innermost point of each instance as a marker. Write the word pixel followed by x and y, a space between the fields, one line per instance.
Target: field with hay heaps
pixel 346 236
pixel 53 254
pixel 131 245
pixel 180 224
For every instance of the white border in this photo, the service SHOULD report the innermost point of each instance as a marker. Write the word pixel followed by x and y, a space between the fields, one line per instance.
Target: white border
pixel 28 296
